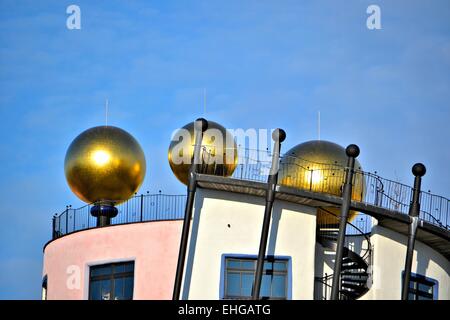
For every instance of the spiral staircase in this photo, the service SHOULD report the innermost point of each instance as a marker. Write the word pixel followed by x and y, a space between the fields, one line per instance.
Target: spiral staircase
pixel 355 273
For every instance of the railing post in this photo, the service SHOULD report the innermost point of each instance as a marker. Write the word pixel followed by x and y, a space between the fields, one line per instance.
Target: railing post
pixel 67 219
pixel 158 199
pixel 142 206
pixel 278 137
pixel 419 171
pixel 200 126
pixel 352 152
pixel 54 226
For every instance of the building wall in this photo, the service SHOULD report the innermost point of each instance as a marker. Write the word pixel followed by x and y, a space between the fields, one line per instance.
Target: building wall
pixel 227 223
pixel 152 245
pixel 231 223
pixel 389 262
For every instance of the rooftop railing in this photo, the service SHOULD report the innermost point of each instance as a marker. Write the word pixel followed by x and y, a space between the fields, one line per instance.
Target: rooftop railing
pixel 140 208
pixel 254 165
pixel 369 188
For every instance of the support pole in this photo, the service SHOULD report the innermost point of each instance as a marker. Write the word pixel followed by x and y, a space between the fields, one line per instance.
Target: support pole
pixel 418 171
pixel 278 137
pixel 352 152
pixel 200 126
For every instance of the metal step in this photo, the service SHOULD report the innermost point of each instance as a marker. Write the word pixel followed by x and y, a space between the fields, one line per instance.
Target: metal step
pixel 350 294
pixel 352 286
pixel 353 281
pixel 354 274
pixel 352 266
pixel 358 272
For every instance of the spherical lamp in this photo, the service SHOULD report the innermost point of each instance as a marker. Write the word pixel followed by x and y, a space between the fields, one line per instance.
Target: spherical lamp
pixel 104 165
pixel 219 154
pixel 318 166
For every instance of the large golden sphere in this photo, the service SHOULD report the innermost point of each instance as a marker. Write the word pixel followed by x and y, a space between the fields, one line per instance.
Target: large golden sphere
pixel 219 151
pixel 104 163
pixel 319 166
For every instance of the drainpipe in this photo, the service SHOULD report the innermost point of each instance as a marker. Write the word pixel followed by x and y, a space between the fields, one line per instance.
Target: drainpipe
pixel 278 137
pixel 200 126
pixel 352 152
pixel 418 171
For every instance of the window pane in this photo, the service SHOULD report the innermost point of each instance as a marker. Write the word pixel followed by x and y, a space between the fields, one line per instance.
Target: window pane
pixel 268 266
pixel 411 296
pixel 240 276
pixel 280 266
pixel 248 264
pixel 265 285
pixel 128 267
pixel 425 288
pixel 128 288
pixel 236 264
pixel 118 289
pixel 94 290
pixel 119 268
pixel 279 286
pixel 101 270
pixel 247 284
pixel 107 282
pixel 106 289
pixel 233 284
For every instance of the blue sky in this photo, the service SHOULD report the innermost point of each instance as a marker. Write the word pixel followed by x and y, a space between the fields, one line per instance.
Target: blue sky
pixel 265 64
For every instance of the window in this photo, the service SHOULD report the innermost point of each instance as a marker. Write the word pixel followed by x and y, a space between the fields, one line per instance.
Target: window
pixel 112 281
pixel 421 287
pixel 239 275
pixel 44 288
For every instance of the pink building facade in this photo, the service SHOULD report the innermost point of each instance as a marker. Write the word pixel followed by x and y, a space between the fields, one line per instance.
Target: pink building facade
pixel 153 246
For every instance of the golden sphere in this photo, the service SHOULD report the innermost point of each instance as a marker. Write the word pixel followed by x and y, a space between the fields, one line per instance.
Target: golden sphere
pixel 219 151
pixel 104 163
pixel 319 166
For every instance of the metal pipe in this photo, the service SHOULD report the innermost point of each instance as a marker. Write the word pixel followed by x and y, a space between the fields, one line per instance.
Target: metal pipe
pixel 418 171
pixel 200 126
pixel 352 152
pixel 278 137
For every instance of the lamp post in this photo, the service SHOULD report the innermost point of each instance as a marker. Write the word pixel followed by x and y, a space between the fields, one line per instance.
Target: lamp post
pixel 278 137
pixel 200 126
pixel 418 171
pixel 352 152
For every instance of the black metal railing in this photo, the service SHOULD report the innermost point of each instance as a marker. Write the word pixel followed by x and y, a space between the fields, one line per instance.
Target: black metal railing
pixel 328 228
pixel 254 165
pixel 144 207
pixel 322 287
pixel 369 188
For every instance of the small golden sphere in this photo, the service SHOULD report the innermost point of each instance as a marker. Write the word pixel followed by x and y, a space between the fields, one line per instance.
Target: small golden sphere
pixel 219 151
pixel 104 163
pixel 319 166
